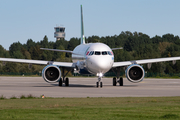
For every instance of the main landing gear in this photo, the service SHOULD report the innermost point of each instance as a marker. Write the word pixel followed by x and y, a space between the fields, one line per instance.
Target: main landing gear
pixel 66 81
pixel 120 81
pixel 63 79
pixel 117 79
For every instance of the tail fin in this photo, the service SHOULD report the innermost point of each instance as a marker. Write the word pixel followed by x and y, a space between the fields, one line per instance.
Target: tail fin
pixel 82 28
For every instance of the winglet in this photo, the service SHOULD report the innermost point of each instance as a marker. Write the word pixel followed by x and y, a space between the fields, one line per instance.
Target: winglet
pixel 82 28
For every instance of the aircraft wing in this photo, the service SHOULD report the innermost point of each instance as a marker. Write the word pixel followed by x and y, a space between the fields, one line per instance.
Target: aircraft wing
pixel 40 62
pixel 145 61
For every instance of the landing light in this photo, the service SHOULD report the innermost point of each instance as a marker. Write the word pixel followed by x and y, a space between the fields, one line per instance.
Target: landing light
pixel 99 74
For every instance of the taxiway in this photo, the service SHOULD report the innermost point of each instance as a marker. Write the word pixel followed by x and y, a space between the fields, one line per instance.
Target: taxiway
pixel 86 87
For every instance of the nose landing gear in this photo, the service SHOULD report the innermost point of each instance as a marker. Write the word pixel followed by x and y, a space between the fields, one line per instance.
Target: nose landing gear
pixel 99 81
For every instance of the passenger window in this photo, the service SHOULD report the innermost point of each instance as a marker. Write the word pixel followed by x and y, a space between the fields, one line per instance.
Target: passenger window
pixel 97 53
pixel 104 53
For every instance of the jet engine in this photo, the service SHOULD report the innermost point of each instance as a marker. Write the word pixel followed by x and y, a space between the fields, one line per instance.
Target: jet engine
pixel 51 73
pixel 135 73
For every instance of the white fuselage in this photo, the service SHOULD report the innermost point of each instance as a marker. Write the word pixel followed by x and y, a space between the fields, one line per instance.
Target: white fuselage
pixel 96 58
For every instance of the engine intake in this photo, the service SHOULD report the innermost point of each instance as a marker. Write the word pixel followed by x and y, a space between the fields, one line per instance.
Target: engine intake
pixel 51 73
pixel 135 73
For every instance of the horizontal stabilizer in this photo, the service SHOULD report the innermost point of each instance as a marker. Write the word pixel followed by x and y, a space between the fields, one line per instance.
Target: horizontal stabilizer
pixel 68 51
pixel 117 48
pixel 57 50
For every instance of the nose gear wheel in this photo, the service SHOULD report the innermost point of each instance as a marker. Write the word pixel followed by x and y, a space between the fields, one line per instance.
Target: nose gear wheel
pixel 99 81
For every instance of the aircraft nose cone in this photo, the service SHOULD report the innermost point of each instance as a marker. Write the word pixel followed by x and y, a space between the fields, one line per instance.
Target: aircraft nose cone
pixel 103 65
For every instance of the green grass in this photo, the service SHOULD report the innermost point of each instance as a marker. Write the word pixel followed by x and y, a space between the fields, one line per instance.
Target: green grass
pixel 128 108
pixel 2 97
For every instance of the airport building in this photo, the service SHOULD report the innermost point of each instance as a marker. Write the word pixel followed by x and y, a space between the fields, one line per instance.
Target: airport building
pixel 59 33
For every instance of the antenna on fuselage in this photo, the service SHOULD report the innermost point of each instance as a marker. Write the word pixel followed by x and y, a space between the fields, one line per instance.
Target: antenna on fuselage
pixel 82 28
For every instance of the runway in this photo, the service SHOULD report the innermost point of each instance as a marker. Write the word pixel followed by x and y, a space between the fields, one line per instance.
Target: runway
pixel 86 87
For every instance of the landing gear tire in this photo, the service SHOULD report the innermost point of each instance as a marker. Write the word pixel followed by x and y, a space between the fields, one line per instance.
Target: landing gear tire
pixel 114 81
pixel 121 81
pixel 67 82
pixel 60 82
pixel 101 84
pixel 97 84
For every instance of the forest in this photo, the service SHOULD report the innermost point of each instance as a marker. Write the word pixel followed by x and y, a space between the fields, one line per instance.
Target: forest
pixel 135 46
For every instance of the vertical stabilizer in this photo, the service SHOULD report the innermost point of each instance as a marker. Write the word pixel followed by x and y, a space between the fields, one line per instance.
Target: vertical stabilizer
pixel 82 28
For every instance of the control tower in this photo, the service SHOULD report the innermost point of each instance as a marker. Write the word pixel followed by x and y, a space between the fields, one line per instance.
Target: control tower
pixel 59 33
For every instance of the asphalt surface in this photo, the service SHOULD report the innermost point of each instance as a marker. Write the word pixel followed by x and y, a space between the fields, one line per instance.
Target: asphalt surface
pixel 86 87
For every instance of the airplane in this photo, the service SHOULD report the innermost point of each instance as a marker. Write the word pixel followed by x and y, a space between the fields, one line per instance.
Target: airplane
pixel 91 58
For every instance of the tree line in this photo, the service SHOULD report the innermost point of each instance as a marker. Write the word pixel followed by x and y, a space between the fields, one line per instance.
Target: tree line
pixel 135 46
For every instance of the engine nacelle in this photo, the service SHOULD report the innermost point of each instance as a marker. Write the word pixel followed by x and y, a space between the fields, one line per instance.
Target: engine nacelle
pixel 51 73
pixel 135 73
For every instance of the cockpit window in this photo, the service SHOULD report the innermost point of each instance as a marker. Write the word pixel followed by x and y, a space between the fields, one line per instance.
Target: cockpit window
pixel 109 53
pixel 104 53
pixel 91 53
pixel 97 53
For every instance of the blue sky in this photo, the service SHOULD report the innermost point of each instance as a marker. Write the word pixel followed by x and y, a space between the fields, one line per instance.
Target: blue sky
pixel 21 20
